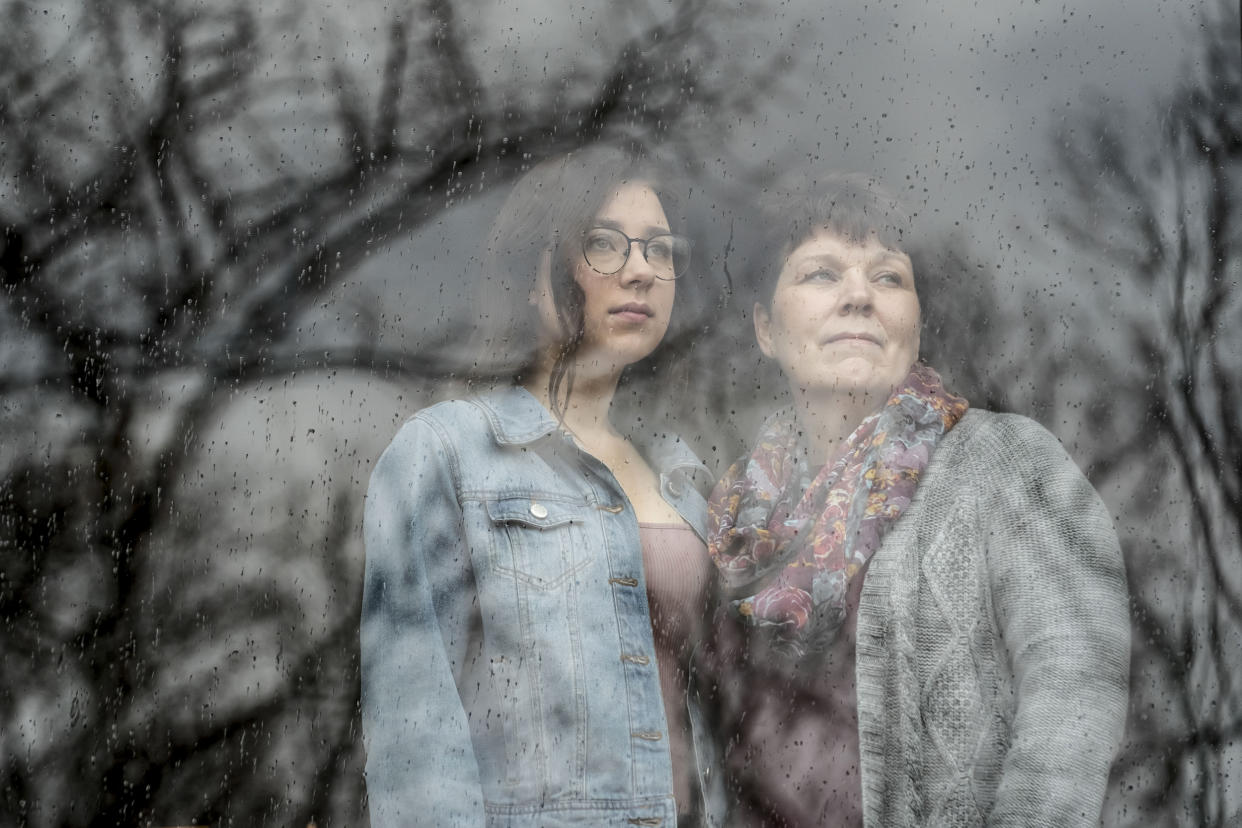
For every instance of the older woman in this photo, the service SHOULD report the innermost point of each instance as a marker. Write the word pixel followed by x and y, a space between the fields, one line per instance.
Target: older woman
pixel 924 613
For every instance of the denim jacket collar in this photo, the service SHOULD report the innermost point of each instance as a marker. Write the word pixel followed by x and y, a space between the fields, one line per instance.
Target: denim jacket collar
pixel 517 418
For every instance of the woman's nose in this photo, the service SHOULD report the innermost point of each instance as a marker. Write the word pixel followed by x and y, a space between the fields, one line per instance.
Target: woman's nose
pixel 637 270
pixel 855 294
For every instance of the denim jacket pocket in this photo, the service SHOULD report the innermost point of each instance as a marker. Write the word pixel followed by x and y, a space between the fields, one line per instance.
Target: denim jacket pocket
pixel 537 541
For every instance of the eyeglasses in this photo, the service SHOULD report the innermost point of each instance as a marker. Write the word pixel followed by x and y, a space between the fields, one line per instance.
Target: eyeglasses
pixel 607 250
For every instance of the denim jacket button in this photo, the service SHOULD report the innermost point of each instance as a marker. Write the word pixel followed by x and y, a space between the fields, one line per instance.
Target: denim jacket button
pixel 538 510
pixel 674 488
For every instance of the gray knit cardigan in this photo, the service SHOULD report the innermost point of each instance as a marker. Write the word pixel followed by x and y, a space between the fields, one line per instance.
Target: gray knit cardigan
pixel 993 640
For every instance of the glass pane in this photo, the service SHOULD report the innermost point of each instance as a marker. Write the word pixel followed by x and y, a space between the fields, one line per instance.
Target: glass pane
pixel 244 244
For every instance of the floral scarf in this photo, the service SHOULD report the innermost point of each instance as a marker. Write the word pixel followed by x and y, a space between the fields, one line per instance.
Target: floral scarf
pixel 787 537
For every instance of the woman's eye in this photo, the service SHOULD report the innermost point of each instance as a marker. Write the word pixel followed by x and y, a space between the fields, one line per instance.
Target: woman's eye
pixel 821 275
pixel 659 250
pixel 890 278
pixel 601 241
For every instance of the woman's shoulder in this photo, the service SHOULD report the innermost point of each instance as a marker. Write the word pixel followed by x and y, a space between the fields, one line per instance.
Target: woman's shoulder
pixel 465 410
pixel 491 419
pixel 441 426
pixel 1001 437
pixel 1011 458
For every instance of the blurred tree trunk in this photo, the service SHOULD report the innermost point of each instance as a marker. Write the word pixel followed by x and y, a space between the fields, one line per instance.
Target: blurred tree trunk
pixel 184 183
pixel 1166 214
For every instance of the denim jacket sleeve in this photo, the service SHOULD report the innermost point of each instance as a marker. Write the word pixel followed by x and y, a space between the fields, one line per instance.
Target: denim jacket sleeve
pixel 416 610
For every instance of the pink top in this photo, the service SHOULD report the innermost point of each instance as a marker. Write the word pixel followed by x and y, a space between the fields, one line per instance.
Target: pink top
pixel 791 727
pixel 678 574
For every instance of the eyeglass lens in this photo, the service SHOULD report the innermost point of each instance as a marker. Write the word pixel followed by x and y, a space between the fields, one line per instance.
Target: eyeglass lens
pixel 606 250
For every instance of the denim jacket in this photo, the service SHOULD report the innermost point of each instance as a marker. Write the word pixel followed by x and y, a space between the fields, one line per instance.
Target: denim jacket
pixel 509 674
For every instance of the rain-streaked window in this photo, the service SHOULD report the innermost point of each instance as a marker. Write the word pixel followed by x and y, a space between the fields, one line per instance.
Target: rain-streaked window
pixel 620 246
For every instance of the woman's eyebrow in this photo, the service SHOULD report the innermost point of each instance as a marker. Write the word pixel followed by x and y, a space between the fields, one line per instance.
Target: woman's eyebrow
pixel 829 259
pixel 819 259
pixel 650 229
pixel 893 257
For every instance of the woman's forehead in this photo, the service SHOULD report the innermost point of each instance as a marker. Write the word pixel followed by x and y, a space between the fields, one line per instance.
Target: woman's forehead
pixel 829 243
pixel 633 202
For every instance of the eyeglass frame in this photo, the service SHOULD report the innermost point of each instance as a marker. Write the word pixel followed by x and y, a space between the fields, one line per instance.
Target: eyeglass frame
pixel 629 245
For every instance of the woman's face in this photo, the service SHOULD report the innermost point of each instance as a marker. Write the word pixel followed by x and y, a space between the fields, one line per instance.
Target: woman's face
pixel 625 314
pixel 844 317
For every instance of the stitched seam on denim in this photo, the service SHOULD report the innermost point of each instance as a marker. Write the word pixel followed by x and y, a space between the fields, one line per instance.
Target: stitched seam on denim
pixel 450 454
pixel 491 495
pixel 581 698
pixel 628 676
pixel 577 805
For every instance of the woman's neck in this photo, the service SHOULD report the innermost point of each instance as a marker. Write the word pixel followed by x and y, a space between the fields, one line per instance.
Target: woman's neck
pixel 585 407
pixel 828 419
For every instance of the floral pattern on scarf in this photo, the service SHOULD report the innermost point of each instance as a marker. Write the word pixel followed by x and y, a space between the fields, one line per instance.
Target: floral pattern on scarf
pixel 788 537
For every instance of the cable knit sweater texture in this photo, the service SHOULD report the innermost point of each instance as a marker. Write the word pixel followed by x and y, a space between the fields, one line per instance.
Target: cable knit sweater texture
pixel 993 640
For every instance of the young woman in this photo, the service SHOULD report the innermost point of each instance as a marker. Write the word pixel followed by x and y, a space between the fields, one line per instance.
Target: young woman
pixel 532 563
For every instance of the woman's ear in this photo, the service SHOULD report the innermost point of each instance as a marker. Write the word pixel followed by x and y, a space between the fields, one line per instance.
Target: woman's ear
pixel 763 329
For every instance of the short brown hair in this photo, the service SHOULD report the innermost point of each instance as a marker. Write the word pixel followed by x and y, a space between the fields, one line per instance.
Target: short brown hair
pixel 849 205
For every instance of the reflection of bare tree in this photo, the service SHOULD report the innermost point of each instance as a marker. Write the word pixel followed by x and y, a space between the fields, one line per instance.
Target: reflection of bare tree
pixel 182 184
pixel 1166 214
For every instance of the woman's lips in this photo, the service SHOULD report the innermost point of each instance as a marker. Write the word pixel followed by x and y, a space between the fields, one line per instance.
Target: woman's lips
pixel 635 312
pixel 853 338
